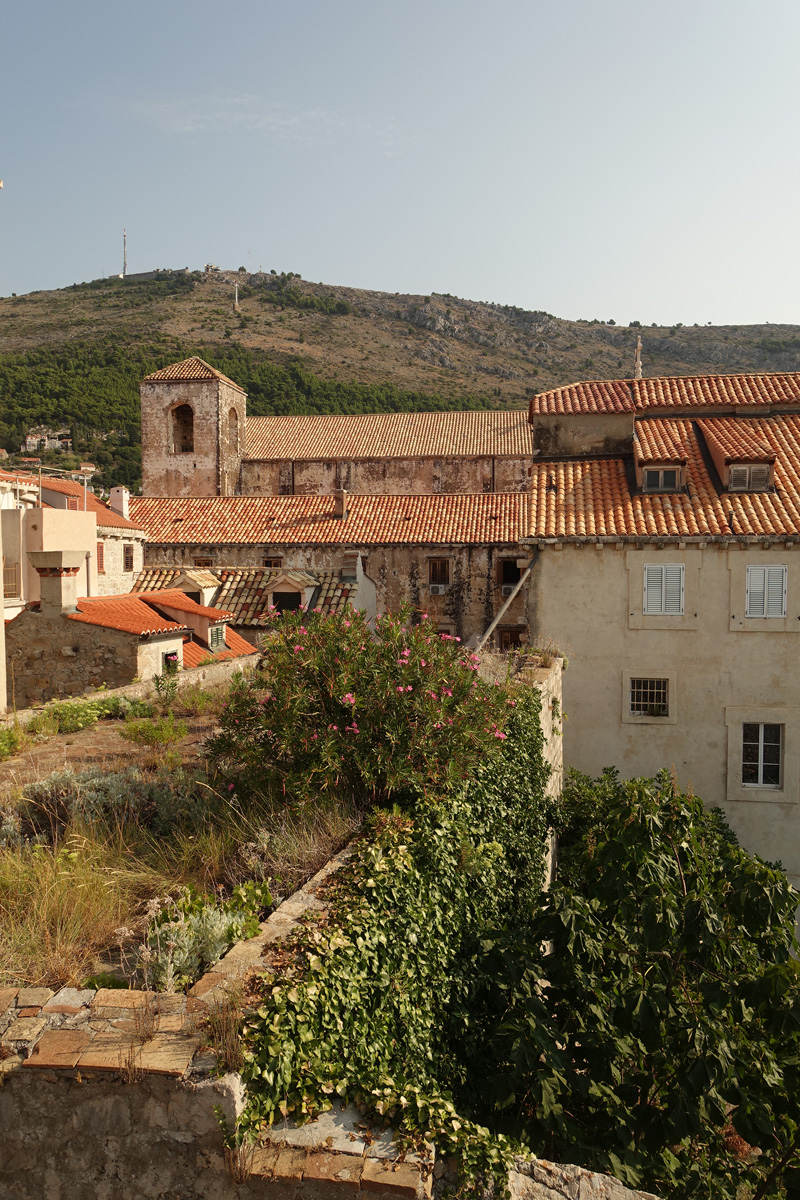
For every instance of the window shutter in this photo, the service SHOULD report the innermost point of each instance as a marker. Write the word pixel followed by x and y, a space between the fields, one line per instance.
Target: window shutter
pixel 756 591
pixel 759 477
pixel 653 588
pixel 776 591
pixel 673 589
pixel 738 479
pixel 101 557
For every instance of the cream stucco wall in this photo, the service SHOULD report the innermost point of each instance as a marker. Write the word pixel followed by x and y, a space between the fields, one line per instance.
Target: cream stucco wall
pixel 36 529
pixel 723 670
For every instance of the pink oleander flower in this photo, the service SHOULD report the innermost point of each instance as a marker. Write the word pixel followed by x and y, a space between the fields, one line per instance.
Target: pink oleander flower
pixel 422 662
pixel 230 787
pixel 302 629
pixel 348 698
pixel 406 653
pixel 409 688
pixel 498 734
pixel 297 649
pixel 314 737
pixel 401 689
pixel 333 727
pixel 347 624
pixel 446 692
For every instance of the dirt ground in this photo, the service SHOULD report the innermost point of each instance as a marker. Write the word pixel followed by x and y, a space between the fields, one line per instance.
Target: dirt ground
pixel 99 745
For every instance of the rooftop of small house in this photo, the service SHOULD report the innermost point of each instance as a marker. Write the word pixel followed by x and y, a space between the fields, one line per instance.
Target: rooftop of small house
pixel 247 592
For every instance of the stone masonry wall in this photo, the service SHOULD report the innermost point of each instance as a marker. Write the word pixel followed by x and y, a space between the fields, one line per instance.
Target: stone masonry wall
pixel 212 467
pixel 382 476
pixel 56 657
pixel 114 579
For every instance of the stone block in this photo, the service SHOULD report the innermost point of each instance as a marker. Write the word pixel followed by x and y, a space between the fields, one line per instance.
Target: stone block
pixel 343 1170
pixel 397 1179
pixel 206 983
pixel 264 1158
pixel 167 1054
pixel 58 1048
pixel 33 1011
pixel 119 998
pixel 7 997
pixel 73 998
pixel 23 1032
pixel 108 1052
pixel 33 997
pixel 289 1163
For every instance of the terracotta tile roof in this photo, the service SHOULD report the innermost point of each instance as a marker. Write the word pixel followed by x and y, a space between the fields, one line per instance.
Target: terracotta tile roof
pixel 577 499
pixel 659 441
pixel 391 435
pixel 597 396
pixel 190 368
pixel 172 598
pixel 105 516
pixel 738 440
pixel 475 519
pixel 128 613
pixel 195 653
pixel 694 392
pixel 245 592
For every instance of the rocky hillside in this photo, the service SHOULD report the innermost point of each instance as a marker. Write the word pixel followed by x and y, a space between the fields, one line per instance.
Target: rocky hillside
pixel 458 349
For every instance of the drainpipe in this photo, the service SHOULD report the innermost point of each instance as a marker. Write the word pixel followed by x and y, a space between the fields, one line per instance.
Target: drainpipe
pixel 520 583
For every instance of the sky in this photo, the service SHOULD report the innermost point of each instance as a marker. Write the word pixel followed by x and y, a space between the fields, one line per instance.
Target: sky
pixel 634 161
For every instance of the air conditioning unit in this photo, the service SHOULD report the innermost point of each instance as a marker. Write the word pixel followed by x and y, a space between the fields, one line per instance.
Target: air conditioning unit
pixel 437 589
pixel 507 589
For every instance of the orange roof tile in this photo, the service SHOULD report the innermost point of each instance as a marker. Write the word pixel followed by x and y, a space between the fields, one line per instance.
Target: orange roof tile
pixel 658 441
pixel 173 598
pixel 190 368
pixel 246 590
pixel 737 440
pixel 391 435
pixel 291 520
pixel 694 391
pixel 194 653
pixel 127 613
pixel 105 515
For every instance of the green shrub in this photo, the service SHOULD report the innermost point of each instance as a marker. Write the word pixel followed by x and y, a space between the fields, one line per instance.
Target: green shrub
pixel 12 740
pixel 668 1028
pixel 384 716
pixel 165 731
pixel 68 716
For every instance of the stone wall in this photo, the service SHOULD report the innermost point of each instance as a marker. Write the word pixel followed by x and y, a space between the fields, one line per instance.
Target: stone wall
pixel 114 579
pixel 400 574
pixel 382 476
pixel 55 658
pixel 211 468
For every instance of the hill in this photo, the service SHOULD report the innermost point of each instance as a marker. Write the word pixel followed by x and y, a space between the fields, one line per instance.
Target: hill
pixel 75 356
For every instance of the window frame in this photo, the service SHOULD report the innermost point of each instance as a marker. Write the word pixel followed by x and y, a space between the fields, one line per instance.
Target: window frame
pixel 271 563
pixel 216 637
pixel 766 615
pixel 749 485
pixel 660 672
pixel 662 569
pixel 650 683
pixel 127 556
pixel 437 566
pixel 661 472
pixel 760 764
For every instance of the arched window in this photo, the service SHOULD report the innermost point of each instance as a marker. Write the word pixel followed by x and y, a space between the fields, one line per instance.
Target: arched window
pixel 182 429
pixel 233 432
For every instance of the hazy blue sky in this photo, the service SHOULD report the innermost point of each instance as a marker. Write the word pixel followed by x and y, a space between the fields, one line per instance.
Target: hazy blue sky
pixel 615 159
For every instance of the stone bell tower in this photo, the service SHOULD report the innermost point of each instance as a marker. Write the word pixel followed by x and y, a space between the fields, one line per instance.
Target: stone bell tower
pixel 193 431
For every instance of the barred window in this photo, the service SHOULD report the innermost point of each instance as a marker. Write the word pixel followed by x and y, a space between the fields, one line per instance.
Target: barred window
pixel 216 637
pixel 649 697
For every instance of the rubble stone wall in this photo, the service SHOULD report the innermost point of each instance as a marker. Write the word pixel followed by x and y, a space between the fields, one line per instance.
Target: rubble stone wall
pixel 382 476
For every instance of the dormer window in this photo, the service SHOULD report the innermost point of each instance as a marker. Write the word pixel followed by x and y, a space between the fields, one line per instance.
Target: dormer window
pixel 216 637
pixel 754 478
pixel 661 479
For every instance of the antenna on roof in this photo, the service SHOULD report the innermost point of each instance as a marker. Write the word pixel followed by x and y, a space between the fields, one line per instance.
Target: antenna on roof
pixel 124 253
pixel 637 362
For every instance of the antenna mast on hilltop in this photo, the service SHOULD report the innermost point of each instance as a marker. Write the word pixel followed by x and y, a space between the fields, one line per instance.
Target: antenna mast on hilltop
pixel 124 253
pixel 637 362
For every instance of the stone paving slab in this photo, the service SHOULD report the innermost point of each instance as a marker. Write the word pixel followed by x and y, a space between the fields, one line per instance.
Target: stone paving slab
pixel 58 1048
pixel 23 1031
pixel 398 1179
pixel 167 1053
pixel 7 997
pixel 33 997
pixel 108 1052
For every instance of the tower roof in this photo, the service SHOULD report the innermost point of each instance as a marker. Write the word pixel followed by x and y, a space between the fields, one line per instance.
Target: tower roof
pixel 190 368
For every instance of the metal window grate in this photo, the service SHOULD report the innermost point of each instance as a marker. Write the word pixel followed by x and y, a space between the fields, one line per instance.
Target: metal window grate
pixel 649 697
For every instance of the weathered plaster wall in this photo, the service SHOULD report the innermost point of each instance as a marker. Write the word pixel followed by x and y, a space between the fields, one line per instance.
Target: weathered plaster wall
pixel 400 573
pixel 583 433
pixel 385 476
pixel 723 670
pixel 212 467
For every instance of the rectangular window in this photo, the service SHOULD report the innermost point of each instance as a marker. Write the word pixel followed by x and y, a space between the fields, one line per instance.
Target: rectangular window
pixel 762 753
pixel 273 562
pixel 509 572
pixel 101 559
pixel 510 639
pixel 202 562
pixel 127 557
pixel 439 571
pixel 657 480
pixel 649 698
pixel 216 637
pixel 663 589
pixel 766 592
pixel 749 479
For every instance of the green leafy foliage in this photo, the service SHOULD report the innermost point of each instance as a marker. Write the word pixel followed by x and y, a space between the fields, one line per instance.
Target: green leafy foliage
pixel 334 707
pixel 647 1023
pixel 68 716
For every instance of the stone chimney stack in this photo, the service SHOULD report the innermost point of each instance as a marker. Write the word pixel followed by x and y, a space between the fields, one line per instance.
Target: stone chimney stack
pixel 58 582
pixel 340 504
pixel 119 501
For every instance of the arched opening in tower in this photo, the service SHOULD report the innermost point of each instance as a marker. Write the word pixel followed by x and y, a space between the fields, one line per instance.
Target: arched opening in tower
pixel 182 429
pixel 233 432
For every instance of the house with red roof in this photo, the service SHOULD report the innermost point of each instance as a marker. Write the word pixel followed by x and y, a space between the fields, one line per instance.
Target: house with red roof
pixel 68 645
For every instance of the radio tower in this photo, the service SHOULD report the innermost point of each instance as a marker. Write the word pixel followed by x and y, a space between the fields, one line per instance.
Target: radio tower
pixel 124 253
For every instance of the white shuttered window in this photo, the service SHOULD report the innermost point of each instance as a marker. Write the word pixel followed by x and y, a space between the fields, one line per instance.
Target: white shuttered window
pixel 766 592
pixel 663 589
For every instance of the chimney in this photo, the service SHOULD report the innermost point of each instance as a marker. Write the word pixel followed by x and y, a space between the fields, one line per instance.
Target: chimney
pixel 58 583
pixel 118 501
pixel 340 504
